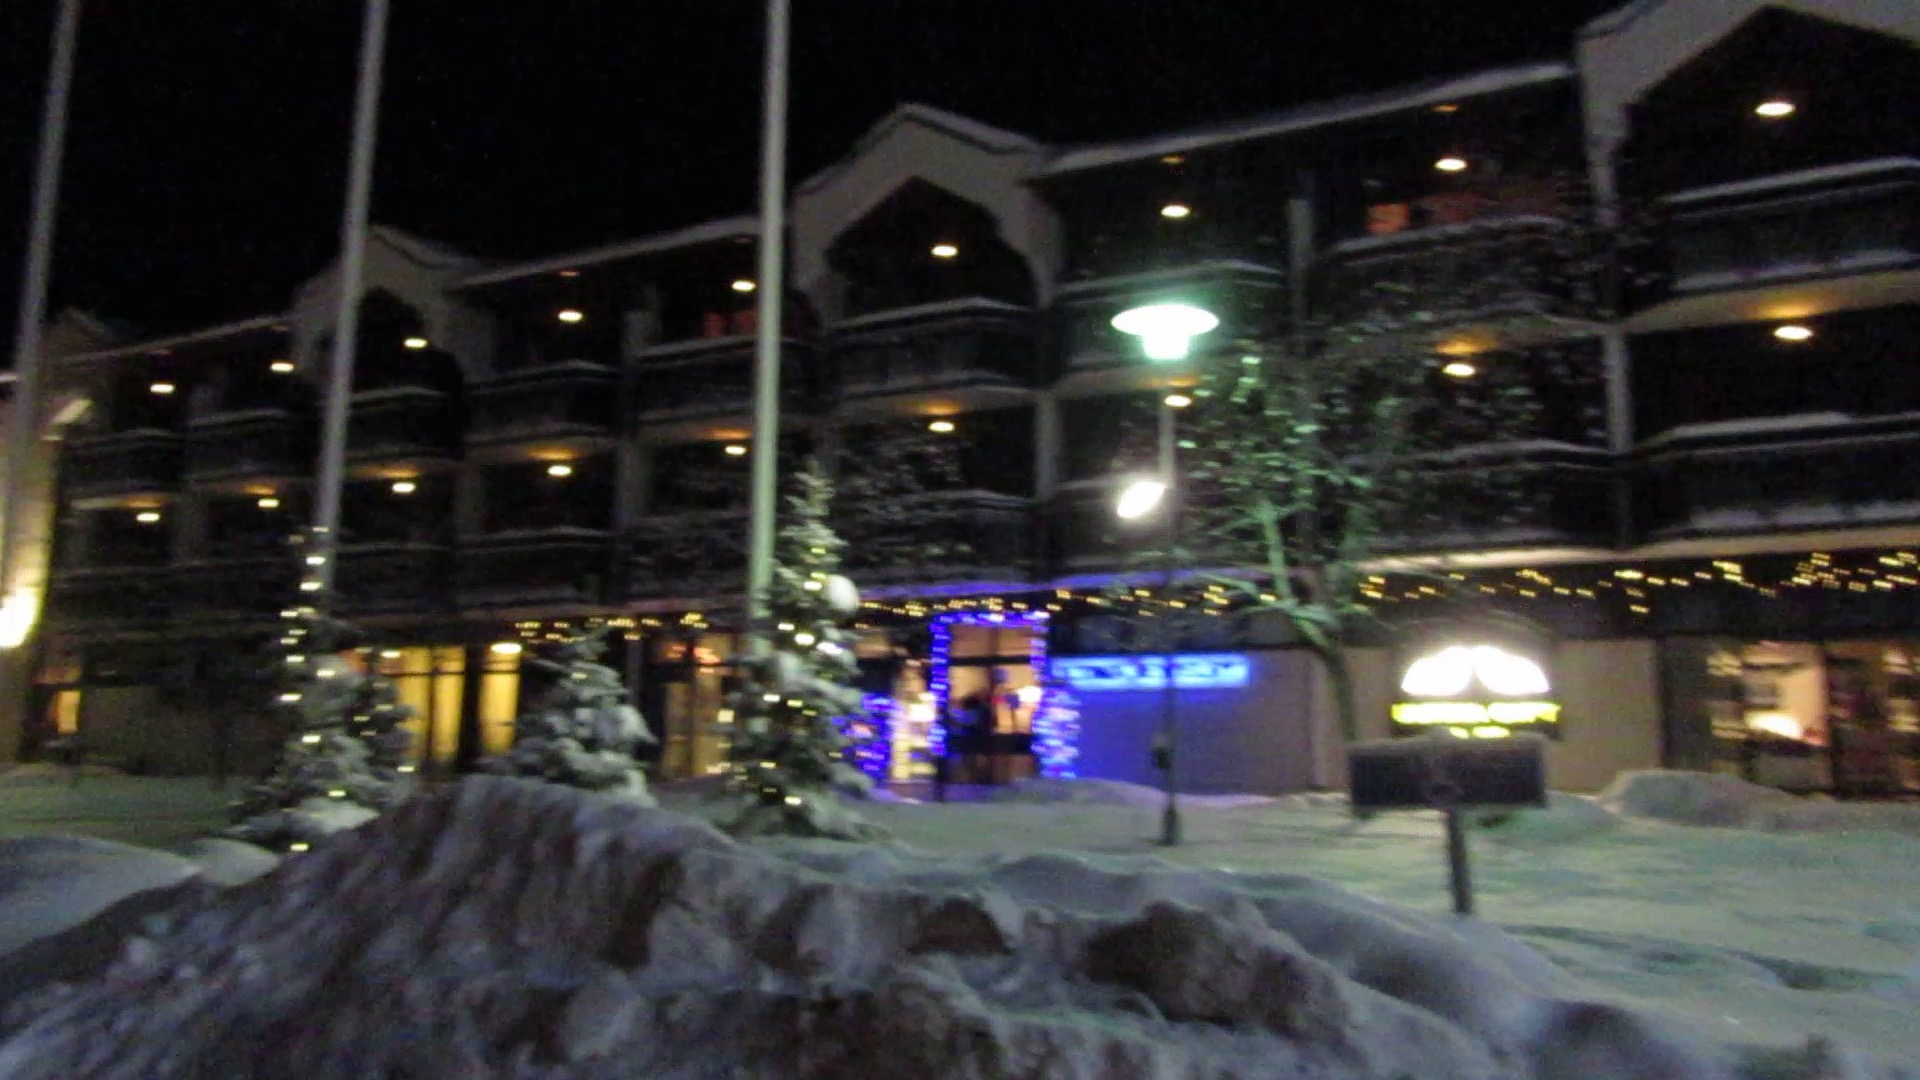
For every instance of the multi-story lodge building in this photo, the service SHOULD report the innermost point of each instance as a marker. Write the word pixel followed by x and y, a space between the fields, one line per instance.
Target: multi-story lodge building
pixel 1729 556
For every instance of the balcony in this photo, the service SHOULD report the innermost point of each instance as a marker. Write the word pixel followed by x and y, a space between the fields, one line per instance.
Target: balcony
pixel 684 387
pixel 1821 223
pixel 942 537
pixel 405 425
pixel 1513 272
pixel 238 448
pixel 1249 298
pixel 691 555
pixel 117 599
pixel 393 578
pixel 253 588
pixel 107 469
pixel 1539 493
pixel 967 348
pixel 572 404
pixel 1820 471
pixel 561 566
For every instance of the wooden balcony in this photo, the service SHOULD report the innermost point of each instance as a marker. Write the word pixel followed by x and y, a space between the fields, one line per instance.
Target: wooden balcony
pixel 1249 298
pixel 1823 471
pixel 394 578
pixel 692 555
pixel 233 450
pixel 943 537
pixel 547 567
pixel 572 404
pixel 967 349
pixel 1516 273
pixel 407 425
pixel 684 388
pixel 119 599
pixel 255 587
pixel 110 469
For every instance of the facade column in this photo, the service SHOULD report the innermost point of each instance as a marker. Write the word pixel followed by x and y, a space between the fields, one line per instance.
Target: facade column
pixel 1046 446
pixel 1301 246
pixel 469 501
pixel 189 513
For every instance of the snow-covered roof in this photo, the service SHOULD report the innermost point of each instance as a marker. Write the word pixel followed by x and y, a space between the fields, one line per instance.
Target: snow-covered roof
pixel 195 337
pixel 420 249
pixel 986 136
pixel 1804 178
pixel 1306 117
pixel 1434 233
pixel 963 306
pixel 692 236
pixel 1814 424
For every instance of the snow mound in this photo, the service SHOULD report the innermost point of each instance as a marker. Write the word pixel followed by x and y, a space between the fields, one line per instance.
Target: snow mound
pixel 1694 798
pixel 508 928
pixel 1048 791
pixel 49 884
pixel 228 862
pixel 1565 818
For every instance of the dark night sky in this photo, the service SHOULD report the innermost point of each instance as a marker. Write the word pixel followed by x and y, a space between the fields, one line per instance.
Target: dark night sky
pixel 205 161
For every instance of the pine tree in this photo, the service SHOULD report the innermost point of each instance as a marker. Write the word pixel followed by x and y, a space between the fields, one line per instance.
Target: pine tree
pixel 581 731
pixel 345 758
pixel 787 757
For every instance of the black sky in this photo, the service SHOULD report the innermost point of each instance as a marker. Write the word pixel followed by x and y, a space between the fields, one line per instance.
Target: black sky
pixel 205 161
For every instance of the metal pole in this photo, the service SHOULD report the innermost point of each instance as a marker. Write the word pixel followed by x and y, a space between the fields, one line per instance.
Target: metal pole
pixel 1457 873
pixel 25 415
pixel 1170 694
pixel 346 322
pixel 766 357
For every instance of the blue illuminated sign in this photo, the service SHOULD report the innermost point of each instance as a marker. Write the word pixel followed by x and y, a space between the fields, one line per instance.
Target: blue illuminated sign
pixel 1191 671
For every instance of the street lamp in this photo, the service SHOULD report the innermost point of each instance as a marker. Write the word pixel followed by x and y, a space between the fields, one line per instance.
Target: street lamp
pixel 1166 331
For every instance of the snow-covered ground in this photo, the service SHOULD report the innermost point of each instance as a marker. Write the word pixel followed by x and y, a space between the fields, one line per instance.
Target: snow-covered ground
pixel 1804 921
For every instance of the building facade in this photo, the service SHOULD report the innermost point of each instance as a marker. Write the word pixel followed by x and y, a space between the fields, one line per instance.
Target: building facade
pixel 1723 530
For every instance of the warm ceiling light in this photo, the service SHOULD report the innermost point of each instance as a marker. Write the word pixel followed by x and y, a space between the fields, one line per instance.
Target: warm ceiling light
pixel 1447 107
pixel 1460 369
pixel 941 427
pixel 1776 109
pixel 1792 332
pixel 945 251
pixel 736 450
pixel 147 517
pixel 1451 164
pixel 405 487
pixel 1173 159
pixel 416 342
pixel 281 367
pixel 571 315
pixel 162 388
pixel 1178 401
pixel 743 285
pixel 1176 211
pixel 560 470
pixel 268 502
pixel 506 648
pixel 569 273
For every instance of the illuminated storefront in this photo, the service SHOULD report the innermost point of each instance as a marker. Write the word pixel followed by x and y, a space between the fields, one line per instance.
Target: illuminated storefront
pixel 1475 686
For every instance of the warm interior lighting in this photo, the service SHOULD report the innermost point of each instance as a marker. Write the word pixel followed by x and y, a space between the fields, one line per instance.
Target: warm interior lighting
pixel 743 285
pixel 268 502
pixel 1139 498
pixel 571 315
pixel 1451 164
pixel 1460 369
pixel 17 617
pixel 405 487
pixel 559 469
pixel 569 273
pixel 281 367
pixel 1178 401
pixel 945 251
pixel 1176 211
pixel 147 517
pixel 1792 332
pixel 941 427
pixel 505 648
pixel 1173 159
pixel 1775 109
pixel 1166 331
pixel 736 450
pixel 416 342
pixel 1446 107
pixel 162 388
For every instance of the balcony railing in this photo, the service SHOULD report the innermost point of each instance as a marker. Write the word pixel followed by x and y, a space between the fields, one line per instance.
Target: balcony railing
pixel 126 598
pixel 961 345
pixel 1489 270
pixel 1829 222
pixel 708 379
pixel 258 444
pixel 394 578
pixel 253 588
pixel 404 423
pixel 548 566
pixel 692 554
pixel 1827 470
pixel 1538 493
pixel 571 402
pixel 1249 299
pixel 942 537
pixel 126 463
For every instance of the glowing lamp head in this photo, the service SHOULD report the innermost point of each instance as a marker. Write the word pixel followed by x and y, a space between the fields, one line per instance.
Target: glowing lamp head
pixel 1793 332
pixel 1459 369
pixel 571 315
pixel 505 648
pixel 560 470
pixel 1166 331
pixel 1178 400
pixel 162 388
pixel 1451 164
pixel 147 517
pixel 941 427
pixel 945 251
pixel 744 285
pixel 281 367
pixel 405 487
pixel 736 450
pixel 416 342
pixel 268 502
pixel 1174 211
pixel 1776 109
pixel 1139 499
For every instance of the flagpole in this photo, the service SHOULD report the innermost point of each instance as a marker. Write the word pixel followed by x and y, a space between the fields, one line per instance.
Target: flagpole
pixel 346 323
pixel 766 359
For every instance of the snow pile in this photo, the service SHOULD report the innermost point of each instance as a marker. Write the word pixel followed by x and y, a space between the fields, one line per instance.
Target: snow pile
pixel 1049 791
pixel 51 883
pixel 1693 798
pixel 509 928
pixel 1565 818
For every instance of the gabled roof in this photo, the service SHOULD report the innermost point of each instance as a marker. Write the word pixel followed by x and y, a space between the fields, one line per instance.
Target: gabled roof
pixel 985 136
pixel 691 236
pixel 1305 117
pixel 242 328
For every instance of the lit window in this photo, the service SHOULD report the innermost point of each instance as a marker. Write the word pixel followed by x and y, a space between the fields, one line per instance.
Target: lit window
pixel 941 427
pixel 743 285
pixel 281 367
pixel 1776 109
pixel 416 343
pixel 1451 164
pixel 571 315
pixel 162 388
pixel 1460 369
pixel 1793 332
pixel 1176 211
pixel 945 251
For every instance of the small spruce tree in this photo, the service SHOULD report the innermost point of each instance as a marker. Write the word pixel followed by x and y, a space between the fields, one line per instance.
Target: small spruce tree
pixel 787 758
pixel 581 730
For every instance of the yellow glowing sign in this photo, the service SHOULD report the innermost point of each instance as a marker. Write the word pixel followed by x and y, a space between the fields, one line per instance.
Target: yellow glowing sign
pixel 1475 714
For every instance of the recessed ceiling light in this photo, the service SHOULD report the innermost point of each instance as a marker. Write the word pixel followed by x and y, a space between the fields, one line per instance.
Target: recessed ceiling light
pixel 1447 107
pixel 506 648
pixel 1173 159
pixel 147 517
pixel 1775 109
pixel 1460 369
pixel 559 469
pixel 268 502
pixel 162 388
pixel 281 367
pixel 736 450
pixel 1178 401
pixel 1176 211
pixel 571 315
pixel 405 487
pixel 941 427
pixel 416 343
pixel 743 285
pixel 569 273
pixel 1451 164
pixel 1792 332
pixel 945 251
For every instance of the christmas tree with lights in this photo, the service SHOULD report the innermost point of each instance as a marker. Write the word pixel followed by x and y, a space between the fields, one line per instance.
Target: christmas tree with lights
pixel 787 758
pixel 581 731
pixel 345 758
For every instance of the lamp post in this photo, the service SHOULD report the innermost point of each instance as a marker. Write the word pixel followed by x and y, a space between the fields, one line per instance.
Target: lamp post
pixel 1166 332
pixel 766 356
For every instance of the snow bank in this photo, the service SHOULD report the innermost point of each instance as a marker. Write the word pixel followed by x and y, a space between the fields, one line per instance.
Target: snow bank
pixel 1565 818
pixel 1047 790
pixel 1693 798
pixel 51 883
pixel 509 928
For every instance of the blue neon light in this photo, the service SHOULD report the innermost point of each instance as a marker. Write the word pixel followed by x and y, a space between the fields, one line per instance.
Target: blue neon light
pixel 1191 671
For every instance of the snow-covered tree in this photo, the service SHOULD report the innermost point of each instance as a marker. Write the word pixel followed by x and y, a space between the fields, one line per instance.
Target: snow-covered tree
pixel 345 758
pixel 787 758
pixel 581 730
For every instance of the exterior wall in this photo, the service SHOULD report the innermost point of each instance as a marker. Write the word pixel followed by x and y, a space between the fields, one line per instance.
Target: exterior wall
pixel 153 731
pixel 1610 696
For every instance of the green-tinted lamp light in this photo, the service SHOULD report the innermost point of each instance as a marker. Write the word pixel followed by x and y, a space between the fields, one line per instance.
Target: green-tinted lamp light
pixel 1166 331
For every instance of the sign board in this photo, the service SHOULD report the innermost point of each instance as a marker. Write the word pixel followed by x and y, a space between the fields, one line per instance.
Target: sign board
pixel 1440 771
pixel 1191 671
